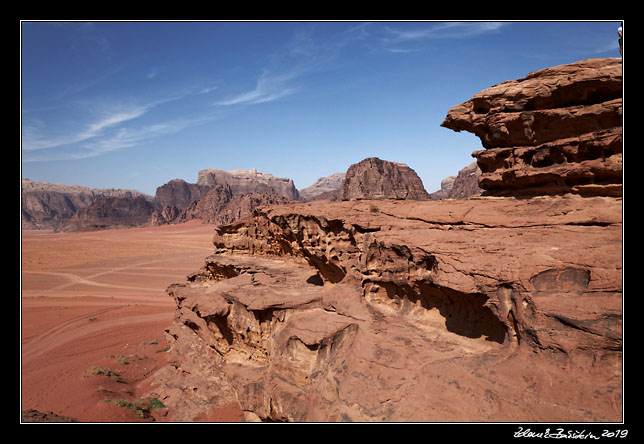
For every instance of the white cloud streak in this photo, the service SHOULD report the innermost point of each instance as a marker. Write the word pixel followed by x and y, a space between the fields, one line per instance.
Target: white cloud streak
pixel 448 30
pixel 267 88
pixel 33 139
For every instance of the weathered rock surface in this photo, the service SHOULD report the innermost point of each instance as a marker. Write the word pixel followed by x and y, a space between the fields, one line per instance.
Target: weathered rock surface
pixel 45 205
pixel 323 188
pixel 248 181
pixel 558 130
pixel 481 309
pixel 373 178
pixel 110 212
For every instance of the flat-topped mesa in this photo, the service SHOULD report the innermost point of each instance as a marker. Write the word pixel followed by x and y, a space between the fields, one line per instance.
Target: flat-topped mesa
pixel 556 131
pixel 248 181
pixel 373 178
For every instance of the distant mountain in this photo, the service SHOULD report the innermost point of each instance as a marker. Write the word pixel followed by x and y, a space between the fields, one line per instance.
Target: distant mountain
pixel 46 205
pixel 373 178
pixel 323 188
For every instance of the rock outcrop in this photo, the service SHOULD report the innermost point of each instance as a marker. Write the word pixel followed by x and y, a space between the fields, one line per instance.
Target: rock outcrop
pixel 45 205
pixel 483 309
pixel 248 181
pixel 558 130
pixel 324 188
pixel 110 212
pixel 373 178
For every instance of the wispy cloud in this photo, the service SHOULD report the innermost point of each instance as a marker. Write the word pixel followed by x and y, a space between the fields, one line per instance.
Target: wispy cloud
pixel 112 128
pixel 304 54
pixel 447 30
pixel 268 87
pixel 394 37
pixel 35 138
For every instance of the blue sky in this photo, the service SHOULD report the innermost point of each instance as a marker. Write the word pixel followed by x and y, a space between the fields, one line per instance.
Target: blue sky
pixel 136 104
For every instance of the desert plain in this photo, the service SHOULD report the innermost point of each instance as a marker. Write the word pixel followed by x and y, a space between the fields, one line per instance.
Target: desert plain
pixel 93 315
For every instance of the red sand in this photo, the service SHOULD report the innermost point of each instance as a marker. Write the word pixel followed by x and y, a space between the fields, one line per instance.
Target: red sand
pixel 96 301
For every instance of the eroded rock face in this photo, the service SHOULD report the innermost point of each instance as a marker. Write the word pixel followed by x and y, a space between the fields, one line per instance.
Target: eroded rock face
pixel 557 130
pixel 373 178
pixel 484 309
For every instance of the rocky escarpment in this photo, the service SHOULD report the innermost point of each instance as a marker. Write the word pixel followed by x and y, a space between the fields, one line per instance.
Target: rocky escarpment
pixel 45 205
pixel 110 212
pixel 373 178
pixel 483 309
pixel 558 130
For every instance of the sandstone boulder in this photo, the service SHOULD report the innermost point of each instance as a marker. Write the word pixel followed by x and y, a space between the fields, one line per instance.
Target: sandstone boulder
pixel 373 178
pixel 557 130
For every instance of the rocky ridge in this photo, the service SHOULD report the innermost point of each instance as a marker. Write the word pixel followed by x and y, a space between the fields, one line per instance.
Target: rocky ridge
pixel 480 309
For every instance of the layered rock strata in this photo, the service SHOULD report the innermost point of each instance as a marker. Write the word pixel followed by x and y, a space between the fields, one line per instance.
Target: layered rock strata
pixel 482 309
pixel 558 130
pixel 373 178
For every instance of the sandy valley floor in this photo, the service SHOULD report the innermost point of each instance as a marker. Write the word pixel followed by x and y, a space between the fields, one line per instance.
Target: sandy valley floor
pixel 93 314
